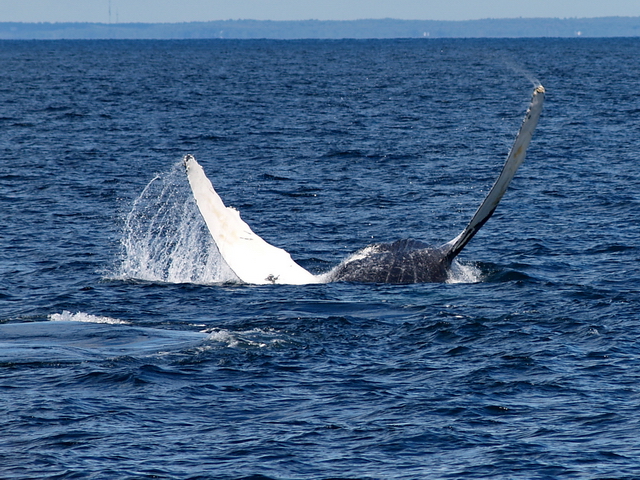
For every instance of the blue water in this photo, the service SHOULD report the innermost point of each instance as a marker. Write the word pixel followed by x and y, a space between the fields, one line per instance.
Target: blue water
pixel 124 353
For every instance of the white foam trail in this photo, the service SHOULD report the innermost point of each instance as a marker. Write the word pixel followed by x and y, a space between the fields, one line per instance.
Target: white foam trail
pixel 165 238
pixel 67 316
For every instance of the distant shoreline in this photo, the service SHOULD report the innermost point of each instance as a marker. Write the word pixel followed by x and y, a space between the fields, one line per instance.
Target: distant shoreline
pixel 330 29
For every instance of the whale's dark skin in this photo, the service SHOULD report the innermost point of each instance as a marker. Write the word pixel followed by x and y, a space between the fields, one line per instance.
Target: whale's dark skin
pixel 403 261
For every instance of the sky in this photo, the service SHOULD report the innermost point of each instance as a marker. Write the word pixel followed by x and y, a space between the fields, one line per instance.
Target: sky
pixel 169 11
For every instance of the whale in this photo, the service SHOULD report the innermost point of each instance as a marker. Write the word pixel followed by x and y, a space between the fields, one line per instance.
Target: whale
pixel 405 261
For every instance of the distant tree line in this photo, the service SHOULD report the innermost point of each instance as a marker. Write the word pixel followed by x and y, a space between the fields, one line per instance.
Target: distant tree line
pixel 359 29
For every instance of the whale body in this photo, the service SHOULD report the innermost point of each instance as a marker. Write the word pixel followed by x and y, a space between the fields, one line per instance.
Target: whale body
pixel 255 261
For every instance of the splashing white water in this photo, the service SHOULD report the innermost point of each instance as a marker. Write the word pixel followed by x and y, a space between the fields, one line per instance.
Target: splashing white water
pixel 67 316
pixel 249 338
pixel 165 238
pixel 461 273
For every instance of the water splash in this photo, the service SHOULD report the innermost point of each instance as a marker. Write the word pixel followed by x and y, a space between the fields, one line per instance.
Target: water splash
pixel 67 316
pixel 521 70
pixel 464 273
pixel 256 337
pixel 165 238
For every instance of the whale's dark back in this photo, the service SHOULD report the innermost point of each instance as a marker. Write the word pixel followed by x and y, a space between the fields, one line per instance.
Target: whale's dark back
pixel 403 261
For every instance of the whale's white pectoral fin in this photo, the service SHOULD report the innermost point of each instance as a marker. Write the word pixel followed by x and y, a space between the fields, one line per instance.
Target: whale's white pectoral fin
pixel 514 160
pixel 251 258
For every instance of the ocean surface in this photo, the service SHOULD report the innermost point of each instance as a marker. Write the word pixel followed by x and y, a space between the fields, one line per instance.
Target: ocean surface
pixel 127 351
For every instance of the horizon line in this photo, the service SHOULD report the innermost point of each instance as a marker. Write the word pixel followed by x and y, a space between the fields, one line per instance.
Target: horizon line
pixel 316 20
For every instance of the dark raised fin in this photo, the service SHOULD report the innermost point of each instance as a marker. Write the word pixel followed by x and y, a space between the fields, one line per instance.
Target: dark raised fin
pixel 514 160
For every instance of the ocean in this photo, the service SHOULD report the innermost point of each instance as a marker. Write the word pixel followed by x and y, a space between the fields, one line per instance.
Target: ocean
pixel 127 351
